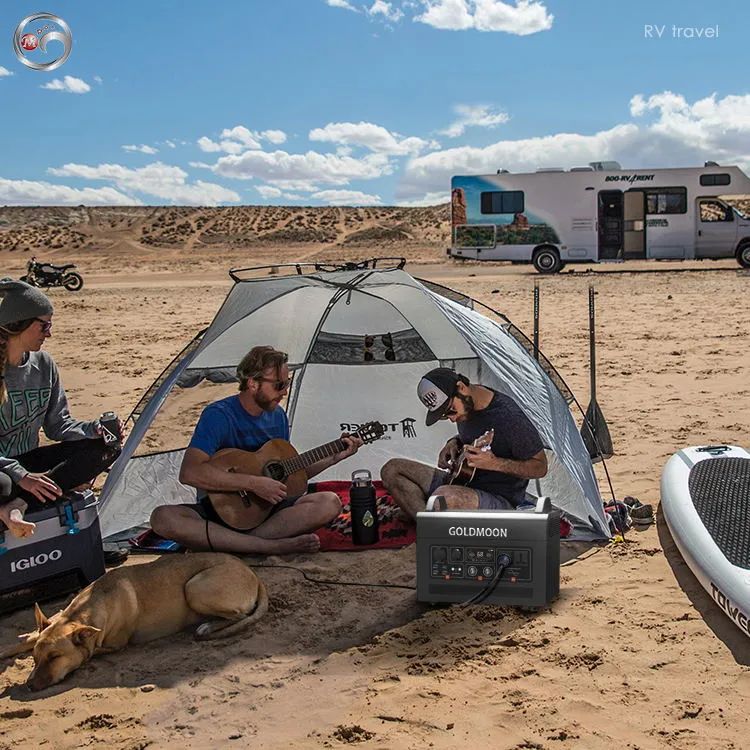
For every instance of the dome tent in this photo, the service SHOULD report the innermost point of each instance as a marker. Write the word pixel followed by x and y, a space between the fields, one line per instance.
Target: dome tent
pixel 359 338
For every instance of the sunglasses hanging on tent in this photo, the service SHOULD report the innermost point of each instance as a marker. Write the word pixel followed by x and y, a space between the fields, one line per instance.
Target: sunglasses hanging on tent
pixel 387 341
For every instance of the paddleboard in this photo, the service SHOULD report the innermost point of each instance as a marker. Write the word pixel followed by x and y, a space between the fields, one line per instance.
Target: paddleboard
pixel 705 498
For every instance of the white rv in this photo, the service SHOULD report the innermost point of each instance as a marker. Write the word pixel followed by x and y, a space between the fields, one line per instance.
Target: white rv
pixel 600 213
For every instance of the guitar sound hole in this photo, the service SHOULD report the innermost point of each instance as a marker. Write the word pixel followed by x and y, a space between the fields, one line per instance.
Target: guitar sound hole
pixel 274 470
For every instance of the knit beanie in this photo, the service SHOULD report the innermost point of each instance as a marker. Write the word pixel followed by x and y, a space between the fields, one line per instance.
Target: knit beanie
pixel 20 301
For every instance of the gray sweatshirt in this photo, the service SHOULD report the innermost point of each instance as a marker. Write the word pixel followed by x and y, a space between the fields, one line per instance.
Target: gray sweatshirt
pixel 36 400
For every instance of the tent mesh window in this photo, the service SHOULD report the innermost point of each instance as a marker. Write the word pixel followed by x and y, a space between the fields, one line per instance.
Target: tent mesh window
pixel 398 346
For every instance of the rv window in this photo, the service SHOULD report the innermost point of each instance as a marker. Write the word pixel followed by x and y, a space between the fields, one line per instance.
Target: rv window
pixel 666 201
pixel 715 179
pixel 502 202
pixel 715 211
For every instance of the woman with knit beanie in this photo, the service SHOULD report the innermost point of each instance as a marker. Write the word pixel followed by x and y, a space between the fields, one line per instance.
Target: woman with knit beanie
pixel 32 398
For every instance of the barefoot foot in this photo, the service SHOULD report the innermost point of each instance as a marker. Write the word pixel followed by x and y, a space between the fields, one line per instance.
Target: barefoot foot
pixel 18 527
pixel 301 543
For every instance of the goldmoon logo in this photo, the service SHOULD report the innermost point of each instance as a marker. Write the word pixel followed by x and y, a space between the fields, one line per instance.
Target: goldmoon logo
pixel 36 32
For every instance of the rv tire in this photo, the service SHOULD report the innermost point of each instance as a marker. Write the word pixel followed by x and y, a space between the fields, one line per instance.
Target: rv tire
pixel 743 254
pixel 547 260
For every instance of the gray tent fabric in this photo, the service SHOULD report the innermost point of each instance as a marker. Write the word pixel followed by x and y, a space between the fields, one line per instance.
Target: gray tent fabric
pixel 325 321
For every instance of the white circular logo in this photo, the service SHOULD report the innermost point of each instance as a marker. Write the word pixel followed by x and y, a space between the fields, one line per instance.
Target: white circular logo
pixel 44 32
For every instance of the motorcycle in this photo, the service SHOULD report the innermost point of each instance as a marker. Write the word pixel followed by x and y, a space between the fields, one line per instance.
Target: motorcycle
pixel 47 274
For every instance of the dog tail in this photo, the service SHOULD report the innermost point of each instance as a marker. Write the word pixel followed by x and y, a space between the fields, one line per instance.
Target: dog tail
pixel 225 629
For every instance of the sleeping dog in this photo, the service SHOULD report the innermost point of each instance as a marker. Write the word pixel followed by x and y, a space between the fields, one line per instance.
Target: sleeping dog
pixel 140 603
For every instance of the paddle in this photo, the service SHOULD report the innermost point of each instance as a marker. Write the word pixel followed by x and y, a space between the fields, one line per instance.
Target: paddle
pixel 595 432
pixel 536 321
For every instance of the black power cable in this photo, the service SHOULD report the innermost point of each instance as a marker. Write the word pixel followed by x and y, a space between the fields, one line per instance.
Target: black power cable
pixel 337 583
pixel 503 561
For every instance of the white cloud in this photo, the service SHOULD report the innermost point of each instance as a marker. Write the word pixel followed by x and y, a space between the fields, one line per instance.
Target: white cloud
pixel 238 139
pixel 380 7
pixel 479 115
pixel 207 145
pixel 241 134
pixel 68 84
pixel 5 72
pixel 158 180
pixel 98 79
pixel 522 18
pixel 305 186
pixel 678 134
pixel 368 135
pixel 431 199
pixel 268 192
pixel 347 198
pixel 341 4
pixel 171 144
pixel 274 136
pixel 325 168
pixel 142 148
pixel 27 192
pixel 199 165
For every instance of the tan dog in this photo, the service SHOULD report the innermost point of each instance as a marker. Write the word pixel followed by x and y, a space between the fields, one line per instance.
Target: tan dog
pixel 140 603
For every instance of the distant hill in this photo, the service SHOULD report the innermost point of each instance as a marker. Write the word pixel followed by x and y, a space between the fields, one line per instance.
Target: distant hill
pixel 49 231
pixel 178 234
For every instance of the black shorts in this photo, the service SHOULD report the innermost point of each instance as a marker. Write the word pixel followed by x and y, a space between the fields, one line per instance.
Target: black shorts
pixel 207 512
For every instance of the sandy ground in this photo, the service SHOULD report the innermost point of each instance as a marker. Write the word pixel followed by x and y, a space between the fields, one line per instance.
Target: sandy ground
pixel 633 654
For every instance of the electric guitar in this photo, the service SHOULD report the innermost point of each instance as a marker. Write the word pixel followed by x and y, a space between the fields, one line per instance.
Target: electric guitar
pixel 278 460
pixel 460 472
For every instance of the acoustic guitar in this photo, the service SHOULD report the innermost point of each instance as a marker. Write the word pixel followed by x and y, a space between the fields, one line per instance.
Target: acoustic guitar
pixel 460 472
pixel 278 460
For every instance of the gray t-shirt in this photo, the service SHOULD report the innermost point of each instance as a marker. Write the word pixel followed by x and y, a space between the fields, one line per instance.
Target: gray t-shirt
pixel 36 400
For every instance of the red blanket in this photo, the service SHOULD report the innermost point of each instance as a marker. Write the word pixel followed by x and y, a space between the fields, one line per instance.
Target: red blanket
pixel 337 535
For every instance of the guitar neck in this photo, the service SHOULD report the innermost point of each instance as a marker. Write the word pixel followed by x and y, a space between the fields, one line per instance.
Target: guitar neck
pixel 308 458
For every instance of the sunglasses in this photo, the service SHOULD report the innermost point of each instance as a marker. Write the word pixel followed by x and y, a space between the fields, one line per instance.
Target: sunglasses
pixel 450 412
pixel 278 385
pixel 387 341
pixel 45 325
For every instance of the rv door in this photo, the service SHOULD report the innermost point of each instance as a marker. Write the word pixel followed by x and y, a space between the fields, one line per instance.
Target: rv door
pixel 716 230
pixel 635 224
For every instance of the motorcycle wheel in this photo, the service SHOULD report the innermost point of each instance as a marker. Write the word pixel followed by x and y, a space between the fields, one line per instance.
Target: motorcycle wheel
pixel 72 281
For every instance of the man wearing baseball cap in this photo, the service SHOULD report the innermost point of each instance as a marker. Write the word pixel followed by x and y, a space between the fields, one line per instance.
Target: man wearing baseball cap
pixel 500 447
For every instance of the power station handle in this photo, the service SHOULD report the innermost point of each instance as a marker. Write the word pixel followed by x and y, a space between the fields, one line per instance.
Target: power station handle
pixel 543 505
pixel 434 500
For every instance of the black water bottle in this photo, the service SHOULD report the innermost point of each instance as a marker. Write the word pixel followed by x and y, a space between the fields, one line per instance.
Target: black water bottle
pixel 364 509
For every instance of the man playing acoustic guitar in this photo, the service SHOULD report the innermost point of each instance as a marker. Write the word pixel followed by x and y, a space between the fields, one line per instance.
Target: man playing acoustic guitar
pixel 498 472
pixel 247 421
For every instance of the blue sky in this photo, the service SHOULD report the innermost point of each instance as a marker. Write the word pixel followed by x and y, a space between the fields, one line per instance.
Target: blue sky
pixel 362 102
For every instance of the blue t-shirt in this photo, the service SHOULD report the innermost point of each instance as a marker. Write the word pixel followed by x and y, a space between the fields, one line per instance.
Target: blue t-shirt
pixel 226 424
pixel 515 438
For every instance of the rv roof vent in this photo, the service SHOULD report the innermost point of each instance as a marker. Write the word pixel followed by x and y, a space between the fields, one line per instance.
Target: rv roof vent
pixel 710 164
pixel 581 169
pixel 550 169
pixel 605 166
pixel 503 171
